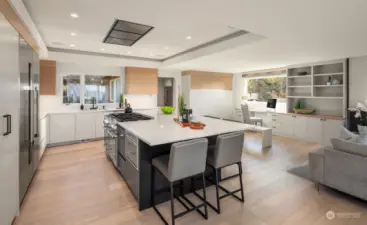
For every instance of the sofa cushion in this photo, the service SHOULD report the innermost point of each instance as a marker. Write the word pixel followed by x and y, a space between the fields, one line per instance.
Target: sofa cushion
pixel 349 147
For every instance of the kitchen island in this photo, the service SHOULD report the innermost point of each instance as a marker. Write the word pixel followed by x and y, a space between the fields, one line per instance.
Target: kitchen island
pixel 145 140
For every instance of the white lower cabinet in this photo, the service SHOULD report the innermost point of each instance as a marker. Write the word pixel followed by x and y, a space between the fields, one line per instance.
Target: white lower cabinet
pixel 314 130
pixel 62 128
pixel 306 128
pixel 43 134
pixel 71 127
pixel 300 127
pixel 85 126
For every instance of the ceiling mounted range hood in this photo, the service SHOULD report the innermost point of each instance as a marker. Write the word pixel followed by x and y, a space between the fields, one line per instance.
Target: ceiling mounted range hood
pixel 126 33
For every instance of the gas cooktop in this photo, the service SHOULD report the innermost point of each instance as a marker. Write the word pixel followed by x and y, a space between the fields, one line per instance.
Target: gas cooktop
pixel 125 117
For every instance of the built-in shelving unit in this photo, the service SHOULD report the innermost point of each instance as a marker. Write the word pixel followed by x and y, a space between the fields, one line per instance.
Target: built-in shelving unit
pixel 320 86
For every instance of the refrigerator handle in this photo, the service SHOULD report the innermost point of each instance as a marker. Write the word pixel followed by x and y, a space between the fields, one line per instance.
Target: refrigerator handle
pixel 8 124
pixel 37 112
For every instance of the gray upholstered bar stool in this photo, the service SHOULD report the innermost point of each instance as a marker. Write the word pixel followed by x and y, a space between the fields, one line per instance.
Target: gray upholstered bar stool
pixel 186 159
pixel 226 152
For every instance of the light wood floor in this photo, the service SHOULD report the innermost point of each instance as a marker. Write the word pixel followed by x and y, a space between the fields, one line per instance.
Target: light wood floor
pixel 77 185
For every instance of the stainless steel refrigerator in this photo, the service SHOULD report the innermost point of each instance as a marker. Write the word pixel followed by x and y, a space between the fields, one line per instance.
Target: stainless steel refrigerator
pixel 29 152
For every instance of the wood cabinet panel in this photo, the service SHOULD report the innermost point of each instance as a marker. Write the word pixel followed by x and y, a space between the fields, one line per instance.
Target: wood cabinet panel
pixel 209 80
pixel 141 80
pixel 47 77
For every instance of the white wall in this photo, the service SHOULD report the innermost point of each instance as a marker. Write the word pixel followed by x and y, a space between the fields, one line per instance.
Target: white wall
pixel 238 85
pixel 357 80
pixel 216 103
pixel 54 103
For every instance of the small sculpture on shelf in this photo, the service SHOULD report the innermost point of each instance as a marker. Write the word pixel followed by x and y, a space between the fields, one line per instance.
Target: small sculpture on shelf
pixel 329 81
pixel 302 73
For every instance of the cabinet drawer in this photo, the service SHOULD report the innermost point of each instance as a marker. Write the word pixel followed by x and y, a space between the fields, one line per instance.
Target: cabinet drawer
pixel 131 176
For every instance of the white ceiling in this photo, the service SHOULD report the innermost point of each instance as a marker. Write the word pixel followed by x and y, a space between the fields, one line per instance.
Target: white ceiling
pixel 96 18
pixel 295 31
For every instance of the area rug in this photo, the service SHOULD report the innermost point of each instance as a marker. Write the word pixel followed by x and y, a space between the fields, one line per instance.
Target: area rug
pixel 300 171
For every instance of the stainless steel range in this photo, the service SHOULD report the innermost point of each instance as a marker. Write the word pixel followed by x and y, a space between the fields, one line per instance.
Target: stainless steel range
pixel 114 138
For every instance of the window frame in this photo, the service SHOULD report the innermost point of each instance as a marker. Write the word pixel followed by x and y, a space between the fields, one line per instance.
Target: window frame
pixel 80 89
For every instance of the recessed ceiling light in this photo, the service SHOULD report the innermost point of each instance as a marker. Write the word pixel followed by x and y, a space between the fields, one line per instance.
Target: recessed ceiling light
pixel 128 52
pixel 166 48
pixel 74 15
pixel 73 34
pixel 151 54
pixel 188 37
pixel 102 49
pixel 72 45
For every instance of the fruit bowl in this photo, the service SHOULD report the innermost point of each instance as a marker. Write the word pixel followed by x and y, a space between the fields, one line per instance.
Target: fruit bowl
pixel 167 109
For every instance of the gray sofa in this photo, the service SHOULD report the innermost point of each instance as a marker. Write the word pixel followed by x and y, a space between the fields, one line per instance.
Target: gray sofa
pixel 343 167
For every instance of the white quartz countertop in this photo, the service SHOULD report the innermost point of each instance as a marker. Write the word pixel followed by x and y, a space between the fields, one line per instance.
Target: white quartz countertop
pixel 163 129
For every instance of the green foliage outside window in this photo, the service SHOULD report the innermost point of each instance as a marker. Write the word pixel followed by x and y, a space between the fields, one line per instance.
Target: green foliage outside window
pixel 268 88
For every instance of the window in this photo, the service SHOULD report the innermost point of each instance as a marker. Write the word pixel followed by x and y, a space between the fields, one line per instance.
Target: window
pixel 266 88
pixel 71 89
pixel 103 89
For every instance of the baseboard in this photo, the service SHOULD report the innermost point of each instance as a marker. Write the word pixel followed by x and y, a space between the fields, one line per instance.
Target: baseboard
pixel 72 142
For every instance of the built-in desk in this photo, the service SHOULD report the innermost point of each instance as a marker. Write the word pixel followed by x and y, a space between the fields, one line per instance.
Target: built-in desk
pixel 308 127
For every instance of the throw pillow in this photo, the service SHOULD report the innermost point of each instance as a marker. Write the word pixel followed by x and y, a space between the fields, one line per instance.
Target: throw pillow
pixel 345 134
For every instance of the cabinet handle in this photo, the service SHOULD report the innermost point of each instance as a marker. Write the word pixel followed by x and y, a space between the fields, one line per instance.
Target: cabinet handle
pixel 8 124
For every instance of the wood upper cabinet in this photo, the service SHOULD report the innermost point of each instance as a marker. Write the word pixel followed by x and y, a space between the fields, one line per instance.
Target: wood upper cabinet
pixel 209 80
pixel 47 77
pixel 141 80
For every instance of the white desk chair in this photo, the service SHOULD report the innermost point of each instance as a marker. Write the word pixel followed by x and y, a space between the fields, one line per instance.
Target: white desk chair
pixel 247 118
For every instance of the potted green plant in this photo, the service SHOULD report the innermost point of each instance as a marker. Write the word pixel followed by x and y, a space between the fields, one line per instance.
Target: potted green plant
pixel 121 102
pixel 181 104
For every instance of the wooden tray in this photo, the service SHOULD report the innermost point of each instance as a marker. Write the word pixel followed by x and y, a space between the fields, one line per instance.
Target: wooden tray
pixel 303 111
pixel 194 126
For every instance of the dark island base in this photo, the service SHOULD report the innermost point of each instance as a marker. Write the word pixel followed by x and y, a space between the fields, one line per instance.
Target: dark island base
pixel 146 154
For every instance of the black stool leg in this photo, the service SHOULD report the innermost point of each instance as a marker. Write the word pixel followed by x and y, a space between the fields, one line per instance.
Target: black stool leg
pixel 172 204
pixel 241 182
pixel 217 189
pixel 204 194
